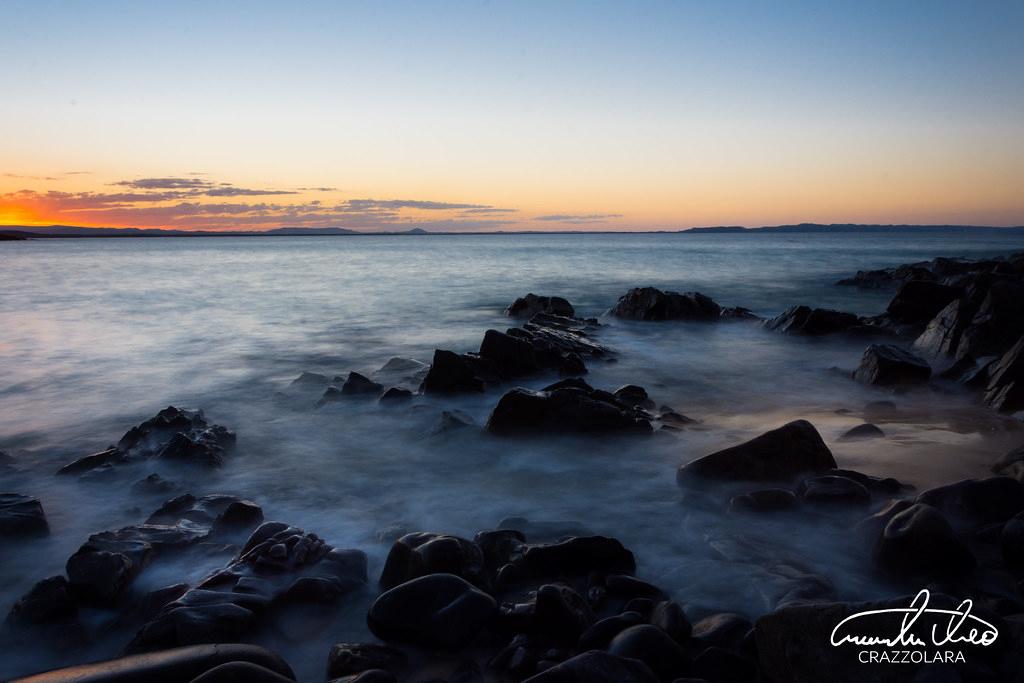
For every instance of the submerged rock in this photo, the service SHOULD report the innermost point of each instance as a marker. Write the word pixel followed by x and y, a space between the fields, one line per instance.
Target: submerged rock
pixel 21 515
pixel 888 365
pixel 863 431
pixel 360 385
pixel 648 303
pixel 531 304
pixel 781 454
pixel 565 409
pixel 814 322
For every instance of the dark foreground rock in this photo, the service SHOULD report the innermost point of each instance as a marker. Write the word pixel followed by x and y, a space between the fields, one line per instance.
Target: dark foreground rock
pixel 422 553
pixel 648 303
pixel 279 565
pixel 531 304
pixel 565 408
pixel 172 434
pixel 346 659
pixel 178 665
pixel 888 365
pixel 920 543
pixel 21 515
pixel 781 454
pixel 918 301
pixel 438 610
pixel 596 667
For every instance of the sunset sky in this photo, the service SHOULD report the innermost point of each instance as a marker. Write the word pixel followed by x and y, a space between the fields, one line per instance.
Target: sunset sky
pixel 510 115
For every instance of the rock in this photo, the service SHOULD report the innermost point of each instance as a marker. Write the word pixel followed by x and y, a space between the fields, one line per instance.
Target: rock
pixel 889 277
pixel 330 395
pixel 598 635
pixel 1011 464
pixel 633 395
pixel 764 500
pixel 21 515
pixel 170 666
pixel 450 374
pixel 724 629
pixel 648 303
pixel 1011 541
pixel 1005 389
pixel 396 395
pixel 888 365
pixel 207 448
pixel 241 672
pixel 986 320
pixel 863 431
pixel 369 676
pixel 626 586
pixel 561 614
pixel 239 515
pixel 545 530
pixel 596 667
pixel 360 385
pixel 813 322
pixel 345 659
pixel 510 356
pixel 154 484
pixel 422 553
pixel 531 304
pixel 311 380
pixel 781 454
pixel 111 456
pixel 149 437
pixel 832 489
pixel 564 410
pixel 882 485
pixel 670 618
pixel 453 421
pixel 577 557
pixel 918 301
pixel 919 542
pixel 652 646
pixel 977 501
pixel 278 565
pixel 738 313
pixel 437 610
pixel 719 664
pixel 47 601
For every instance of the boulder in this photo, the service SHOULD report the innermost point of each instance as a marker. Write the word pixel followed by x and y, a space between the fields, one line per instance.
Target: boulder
pixel 652 646
pixel 437 610
pixel 313 380
pixel 1011 464
pixel 719 664
pixel 453 421
pixel 561 614
pixel 21 515
pixel 919 543
pixel 576 556
pixel 813 321
pixel 511 356
pixel 422 553
pixel 451 374
pixel 974 502
pixel 888 365
pixel 596 667
pixel 781 454
pixel 207 448
pixel 634 395
pixel 724 629
pixel 1005 389
pixel 241 672
pixel 531 304
pixel 670 618
pixel 862 432
pixel 564 410
pixel 764 500
pixel 918 301
pixel 111 456
pixel 346 659
pixel 599 634
pixel 396 395
pixel 47 601
pixel 360 385
pixel 648 303
pixel 986 320
pixel 832 489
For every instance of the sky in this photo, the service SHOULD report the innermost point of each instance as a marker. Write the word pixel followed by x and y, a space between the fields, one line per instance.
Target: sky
pixel 469 116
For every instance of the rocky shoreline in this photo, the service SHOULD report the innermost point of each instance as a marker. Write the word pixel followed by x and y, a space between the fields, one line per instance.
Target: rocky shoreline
pixel 527 603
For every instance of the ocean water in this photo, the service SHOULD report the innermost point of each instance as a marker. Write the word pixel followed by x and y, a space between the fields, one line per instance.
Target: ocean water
pixel 99 334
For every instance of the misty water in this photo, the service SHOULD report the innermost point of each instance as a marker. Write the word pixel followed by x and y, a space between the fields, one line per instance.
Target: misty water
pixel 97 335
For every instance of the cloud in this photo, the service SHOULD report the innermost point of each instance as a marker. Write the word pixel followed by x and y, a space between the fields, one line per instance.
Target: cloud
pixel 318 189
pixel 386 204
pixel 488 210
pixel 578 218
pixel 29 177
pixel 165 183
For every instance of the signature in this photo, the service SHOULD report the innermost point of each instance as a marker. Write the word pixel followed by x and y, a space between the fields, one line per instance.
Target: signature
pixel 948 627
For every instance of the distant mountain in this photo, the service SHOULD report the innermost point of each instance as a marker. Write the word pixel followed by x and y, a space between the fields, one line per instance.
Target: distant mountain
pixel 311 231
pixel 27 231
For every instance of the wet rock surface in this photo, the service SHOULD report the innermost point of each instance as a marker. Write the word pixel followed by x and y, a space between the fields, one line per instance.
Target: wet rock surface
pixel 21 515
pixel 889 365
pixel 648 303
pixel 808 321
pixel 564 408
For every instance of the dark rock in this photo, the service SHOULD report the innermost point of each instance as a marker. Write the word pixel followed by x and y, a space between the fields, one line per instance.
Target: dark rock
pixel 360 385
pixel 813 322
pixel 1011 541
pixel 1011 464
pixel 632 395
pixel 781 454
pixel 545 530
pixel 396 395
pixel 500 547
pixel 882 485
pixel 571 364
pixel 986 320
pixel 596 667
pixel 437 610
pixel 170 666
pixel 725 630
pixel 239 515
pixel 330 395
pixel 207 448
pixel 564 410
pixel 422 553
pixel 311 379
pixel 764 500
pixel 345 659
pixel 451 374
pixel 150 436
pixel 720 665
pixel 919 542
pixel 888 365
pixel 561 614
pixel 370 676
pixel 832 489
pixel 648 303
pixel 601 632
pixel 642 606
pixel 577 557
pixel 240 672
pixel 652 646
pixel 977 501
pixel 453 421
pixel 154 484
pixel 1005 388
pixel 47 601
pixel 111 456
pixel 531 304
pixel 510 356
pixel 627 586
pixel 918 301
pixel 670 618
pixel 738 313
pixel 863 431
pixel 890 277
pixel 21 515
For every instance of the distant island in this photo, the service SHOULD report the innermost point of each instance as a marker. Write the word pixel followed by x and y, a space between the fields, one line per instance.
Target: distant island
pixel 21 232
